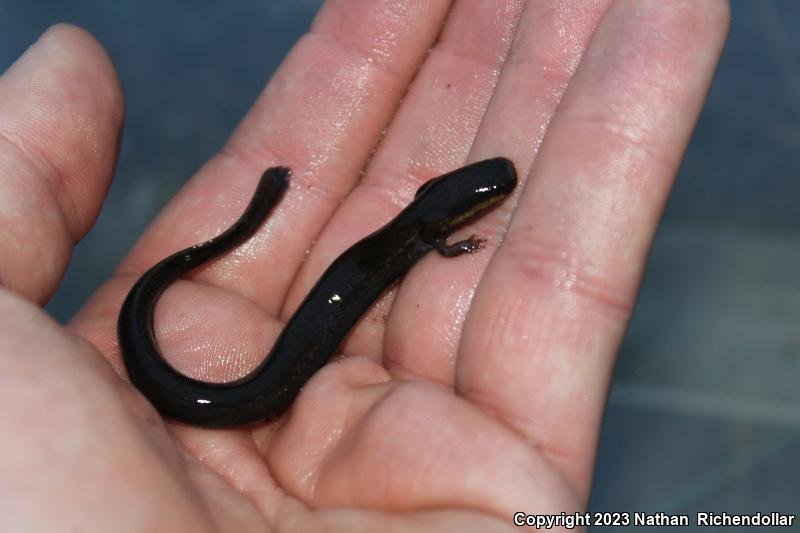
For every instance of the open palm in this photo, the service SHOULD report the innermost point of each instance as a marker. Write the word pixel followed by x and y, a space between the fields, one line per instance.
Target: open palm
pixel 472 390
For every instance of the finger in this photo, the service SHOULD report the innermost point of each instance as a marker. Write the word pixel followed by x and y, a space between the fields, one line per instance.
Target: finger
pixel 60 118
pixel 540 340
pixel 320 114
pixel 546 50
pixel 430 134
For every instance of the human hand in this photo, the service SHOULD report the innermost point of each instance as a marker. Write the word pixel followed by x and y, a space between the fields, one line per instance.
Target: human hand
pixel 472 391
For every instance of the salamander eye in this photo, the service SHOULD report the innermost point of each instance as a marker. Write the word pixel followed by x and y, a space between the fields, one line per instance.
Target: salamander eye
pixel 424 187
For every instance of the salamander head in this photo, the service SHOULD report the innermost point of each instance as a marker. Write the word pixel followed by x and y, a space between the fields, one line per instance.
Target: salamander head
pixel 452 199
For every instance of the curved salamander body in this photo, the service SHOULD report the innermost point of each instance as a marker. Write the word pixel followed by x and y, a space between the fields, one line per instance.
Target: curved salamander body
pixel 343 293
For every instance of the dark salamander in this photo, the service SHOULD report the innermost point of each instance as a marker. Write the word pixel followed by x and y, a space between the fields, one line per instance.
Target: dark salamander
pixel 343 293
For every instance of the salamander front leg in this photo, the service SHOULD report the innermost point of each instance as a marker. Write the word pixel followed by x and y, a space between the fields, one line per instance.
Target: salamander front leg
pixel 467 246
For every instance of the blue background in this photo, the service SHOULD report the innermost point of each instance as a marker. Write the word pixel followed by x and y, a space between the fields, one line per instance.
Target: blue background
pixel 704 414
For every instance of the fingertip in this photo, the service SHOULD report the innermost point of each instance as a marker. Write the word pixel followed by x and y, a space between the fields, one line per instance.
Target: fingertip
pixel 56 52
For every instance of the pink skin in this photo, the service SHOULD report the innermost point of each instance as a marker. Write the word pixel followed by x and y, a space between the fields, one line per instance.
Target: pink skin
pixel 472 391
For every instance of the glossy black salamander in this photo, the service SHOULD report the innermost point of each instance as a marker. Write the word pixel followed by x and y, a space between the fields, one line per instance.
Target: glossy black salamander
pixel 343 293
